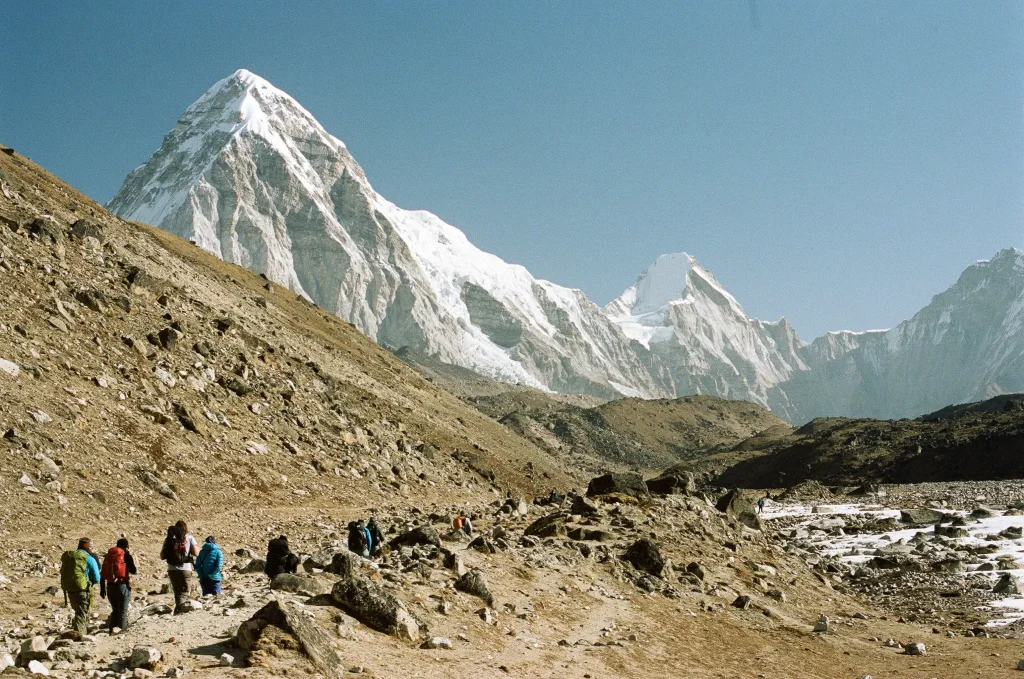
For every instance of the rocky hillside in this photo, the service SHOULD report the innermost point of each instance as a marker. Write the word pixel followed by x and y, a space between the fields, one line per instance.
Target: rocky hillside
pixel 978 442
pixel 628 433
pixel 141 372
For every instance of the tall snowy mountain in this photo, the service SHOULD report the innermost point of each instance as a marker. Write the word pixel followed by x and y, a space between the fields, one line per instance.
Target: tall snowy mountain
pixel 251 176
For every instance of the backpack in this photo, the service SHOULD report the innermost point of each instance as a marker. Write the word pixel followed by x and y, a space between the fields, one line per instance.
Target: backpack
pixel 73 566
pixel 457 523
pixel 114 566
pixel 357 540
pixel 175 549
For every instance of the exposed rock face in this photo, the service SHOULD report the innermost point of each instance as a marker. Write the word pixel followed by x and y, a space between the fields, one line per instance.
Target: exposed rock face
pixel 627 483
pixel 738 504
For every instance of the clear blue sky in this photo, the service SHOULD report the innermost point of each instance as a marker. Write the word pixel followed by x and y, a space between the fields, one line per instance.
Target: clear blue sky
pixel 835 162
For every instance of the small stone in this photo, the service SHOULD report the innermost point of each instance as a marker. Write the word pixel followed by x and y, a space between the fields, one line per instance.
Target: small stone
pixel 144 657
pixel 438 643
pixel 8 368
pixel 226 659
pixel 823 624
pixel 916 648
pixel 36 667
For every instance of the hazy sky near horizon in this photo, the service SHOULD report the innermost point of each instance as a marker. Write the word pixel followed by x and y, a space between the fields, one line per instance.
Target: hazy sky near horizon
pixel 837 163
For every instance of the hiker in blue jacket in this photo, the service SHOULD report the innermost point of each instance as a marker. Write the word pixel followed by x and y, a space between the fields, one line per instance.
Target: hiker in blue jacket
pixel 369 538
pixel 208 565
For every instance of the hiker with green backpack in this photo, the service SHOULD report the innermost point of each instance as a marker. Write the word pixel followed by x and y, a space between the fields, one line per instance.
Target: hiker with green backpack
pixel 79 571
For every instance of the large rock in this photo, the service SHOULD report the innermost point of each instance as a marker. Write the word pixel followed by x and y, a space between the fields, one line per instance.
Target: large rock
pixel 676 482
pixel 376 608
pixel 921 517
pixel 313 642
pixel 548 526
pixel 741 506
pixel 645 556
pixel 421 535
pixel 336 561
pixel 298 584
pixel 1007 585
pixel 628 483
pixel 474 583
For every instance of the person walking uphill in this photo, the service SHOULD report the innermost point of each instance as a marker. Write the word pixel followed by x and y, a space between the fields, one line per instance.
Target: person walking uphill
pixel 208 565
pixel 118 567
pixel 179 551
pixel 79 571
pixel 376 536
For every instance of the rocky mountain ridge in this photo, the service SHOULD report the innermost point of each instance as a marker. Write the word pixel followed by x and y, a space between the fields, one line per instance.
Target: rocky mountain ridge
pixel 252 177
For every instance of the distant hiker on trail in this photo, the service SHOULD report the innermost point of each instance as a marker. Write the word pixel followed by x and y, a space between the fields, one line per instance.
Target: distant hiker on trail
pixel 179 551
pixel 116 586
pixel 369 537
pixel 376 536
pixel 358 543
pixel 208 565
pixel 760 505
pixel 462 523
pixel 79 571
pixel 280 558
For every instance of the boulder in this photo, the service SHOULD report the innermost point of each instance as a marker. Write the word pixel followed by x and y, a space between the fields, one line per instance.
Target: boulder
pixel 916 648
pixel 313 642
pixel 254 566
pixel 674 483
pixel 36 667
pixel 921 517
pixel 628 483
pixel 1007 585
pixel 473 583
pixel 582 507
pixel 421 535
pixel 737 504
pixel 548 526
pixel 376 608
pixel 298 584
pixel 336 561
pixel 645 556
pixel 83 229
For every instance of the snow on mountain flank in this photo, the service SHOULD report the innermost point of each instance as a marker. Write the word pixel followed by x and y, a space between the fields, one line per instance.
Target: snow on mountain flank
pixel 251 176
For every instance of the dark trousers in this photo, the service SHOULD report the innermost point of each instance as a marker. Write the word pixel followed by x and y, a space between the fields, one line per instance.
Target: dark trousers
pixel 209 586
pixel 80 602
pixel 181 582
pixel 119 595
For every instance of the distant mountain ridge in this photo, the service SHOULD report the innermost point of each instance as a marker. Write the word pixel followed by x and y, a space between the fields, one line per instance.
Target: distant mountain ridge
pixel 251 176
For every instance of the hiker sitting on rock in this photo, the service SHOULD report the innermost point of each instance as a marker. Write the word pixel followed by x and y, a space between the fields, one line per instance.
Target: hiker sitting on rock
pixel 376 536
pixel 358 543
pixel 79 571
pixel 208 565
pixel 118 567
pixel 179 551
pixel 280 558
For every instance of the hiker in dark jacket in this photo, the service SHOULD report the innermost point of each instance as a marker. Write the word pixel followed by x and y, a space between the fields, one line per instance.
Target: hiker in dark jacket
pixel 376 536
pixel 280 558
pixel 180 549
pixel 208 565
pixel 118 567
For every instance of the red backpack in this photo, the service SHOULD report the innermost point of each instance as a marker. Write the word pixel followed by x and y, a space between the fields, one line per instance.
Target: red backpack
pixel 114 568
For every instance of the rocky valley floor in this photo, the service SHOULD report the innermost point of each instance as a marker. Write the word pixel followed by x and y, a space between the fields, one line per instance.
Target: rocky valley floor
pixel 144 381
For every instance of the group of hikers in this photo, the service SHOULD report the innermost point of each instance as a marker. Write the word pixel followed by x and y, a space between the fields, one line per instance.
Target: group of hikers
pixel 81 570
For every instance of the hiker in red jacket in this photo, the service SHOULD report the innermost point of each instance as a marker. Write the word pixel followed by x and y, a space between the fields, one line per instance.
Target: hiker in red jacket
pixel 118 567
